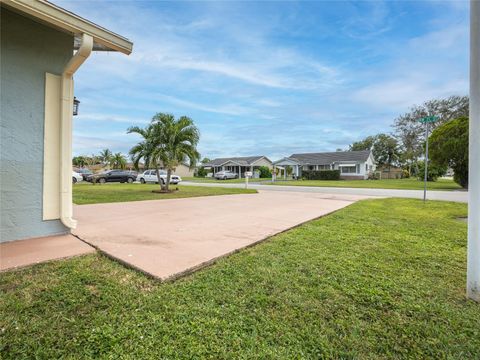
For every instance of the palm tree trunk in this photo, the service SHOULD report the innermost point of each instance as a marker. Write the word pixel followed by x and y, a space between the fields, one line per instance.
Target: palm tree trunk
pixel 159 178
pixel 169 172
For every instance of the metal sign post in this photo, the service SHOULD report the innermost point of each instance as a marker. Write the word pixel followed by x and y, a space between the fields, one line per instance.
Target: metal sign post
pixel 247 175
pixel 426 120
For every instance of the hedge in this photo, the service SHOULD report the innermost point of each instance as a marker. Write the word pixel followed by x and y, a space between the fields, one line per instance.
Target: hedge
pixel 321 174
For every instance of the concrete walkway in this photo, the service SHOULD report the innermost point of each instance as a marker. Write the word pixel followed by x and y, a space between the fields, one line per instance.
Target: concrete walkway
pixel 460 196
pixel 17 254
pixel 169 238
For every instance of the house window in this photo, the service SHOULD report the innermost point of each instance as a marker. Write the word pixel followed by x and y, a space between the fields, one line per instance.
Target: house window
pixel 366 167
pixel 348 169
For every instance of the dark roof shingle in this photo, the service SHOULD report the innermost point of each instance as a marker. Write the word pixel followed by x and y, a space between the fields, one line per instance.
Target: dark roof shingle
pixel 331 157
pixel 244 161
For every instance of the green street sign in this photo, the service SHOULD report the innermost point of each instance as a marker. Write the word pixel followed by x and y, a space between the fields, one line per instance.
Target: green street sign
pixel 428 119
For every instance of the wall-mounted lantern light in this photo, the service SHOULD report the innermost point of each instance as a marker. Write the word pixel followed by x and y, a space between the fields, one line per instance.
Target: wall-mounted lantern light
pixel 76 103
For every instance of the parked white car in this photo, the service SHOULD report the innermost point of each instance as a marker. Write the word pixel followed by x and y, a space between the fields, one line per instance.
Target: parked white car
pixel 224 175
pixel 151 176
pixel 76 177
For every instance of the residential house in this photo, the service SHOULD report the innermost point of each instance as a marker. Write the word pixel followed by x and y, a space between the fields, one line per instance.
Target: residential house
pixel 239 165
pixel 42 46
pixel 352 164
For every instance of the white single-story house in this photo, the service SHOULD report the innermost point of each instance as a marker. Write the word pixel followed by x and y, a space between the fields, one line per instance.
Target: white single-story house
pixel 239 165
pixel 352 164
pixel 42 46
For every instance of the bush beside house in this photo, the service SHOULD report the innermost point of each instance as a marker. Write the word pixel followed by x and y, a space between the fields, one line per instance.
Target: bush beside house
pixel 264 172
pixel 321 174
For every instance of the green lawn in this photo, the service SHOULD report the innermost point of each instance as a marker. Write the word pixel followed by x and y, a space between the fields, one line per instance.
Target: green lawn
pixel 405 184
pixel 379 279
pixel 91 194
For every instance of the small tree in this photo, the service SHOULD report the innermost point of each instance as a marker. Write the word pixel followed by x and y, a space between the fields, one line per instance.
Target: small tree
pixel 201 171
pixel 118 161
pixel 168 142
pixel 79 161
pixel 105 157
pixel 434 171
pixel 385 148
pixel 449 148
pixel 264 172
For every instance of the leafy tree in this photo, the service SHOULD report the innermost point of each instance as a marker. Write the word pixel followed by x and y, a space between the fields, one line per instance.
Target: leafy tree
pixel 93 160
pixel 79 161
pixel 264 172
pixel 365 144
pixel 384 147
pixel 386 150
pixel 410 132
pixel 105 157
pixel 448 146
pixel 118 161
pixel 201 171
pixel 168 142
pixel 434 171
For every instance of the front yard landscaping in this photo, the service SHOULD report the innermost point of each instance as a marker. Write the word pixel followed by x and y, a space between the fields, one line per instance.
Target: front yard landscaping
pixel 378 279
pixel 93 194
pixel 401 184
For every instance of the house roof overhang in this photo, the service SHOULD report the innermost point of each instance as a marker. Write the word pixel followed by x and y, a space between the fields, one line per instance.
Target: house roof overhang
pixel 64 20
pixel 286 161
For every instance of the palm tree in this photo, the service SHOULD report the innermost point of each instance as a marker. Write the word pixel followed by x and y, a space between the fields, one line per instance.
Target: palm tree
pixel 145 150
pixel 105 157
pixel 118 161
pixel 168 142
pixel 79 161
pixel 178 141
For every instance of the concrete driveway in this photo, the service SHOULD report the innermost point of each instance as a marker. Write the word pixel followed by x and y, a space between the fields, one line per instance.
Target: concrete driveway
pixel 169 238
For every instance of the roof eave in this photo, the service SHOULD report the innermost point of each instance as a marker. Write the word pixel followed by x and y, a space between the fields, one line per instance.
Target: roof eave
pixel 70 22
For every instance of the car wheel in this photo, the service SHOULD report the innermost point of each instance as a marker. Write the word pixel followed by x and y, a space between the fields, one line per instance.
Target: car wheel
pixel 142 180
pixel 74 180
pixel 129 180
pixel 102 180
pixel 163 181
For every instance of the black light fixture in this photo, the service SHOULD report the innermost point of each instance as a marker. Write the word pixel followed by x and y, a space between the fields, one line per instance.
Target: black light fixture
pixel 76 103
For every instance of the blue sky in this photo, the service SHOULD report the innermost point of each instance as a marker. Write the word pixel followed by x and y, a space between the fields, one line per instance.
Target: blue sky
pixel 268 78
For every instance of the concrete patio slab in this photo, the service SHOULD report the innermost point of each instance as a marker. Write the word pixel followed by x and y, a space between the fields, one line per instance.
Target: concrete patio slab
pixel 22 253
pixel 169 238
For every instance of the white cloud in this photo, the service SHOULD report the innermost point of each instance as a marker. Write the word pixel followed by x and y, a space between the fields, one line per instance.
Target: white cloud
pixel 223 109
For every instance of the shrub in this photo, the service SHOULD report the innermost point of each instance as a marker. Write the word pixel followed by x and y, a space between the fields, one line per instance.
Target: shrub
pixel 321 174
pixel 201 172
pixel 405 174
pixel 264 172
pixel 434 171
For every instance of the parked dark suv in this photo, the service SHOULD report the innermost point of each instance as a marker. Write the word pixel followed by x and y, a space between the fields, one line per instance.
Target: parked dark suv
pixel 121 176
